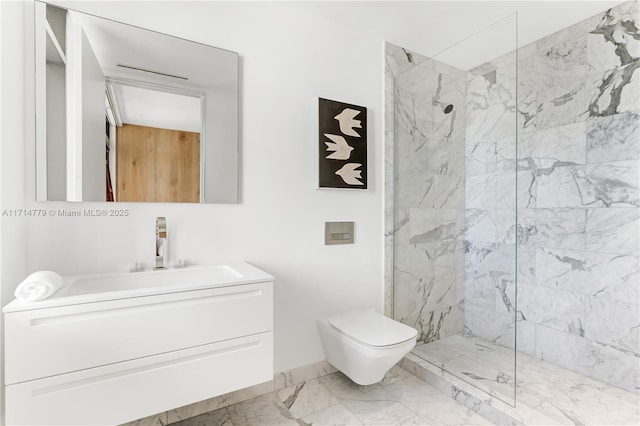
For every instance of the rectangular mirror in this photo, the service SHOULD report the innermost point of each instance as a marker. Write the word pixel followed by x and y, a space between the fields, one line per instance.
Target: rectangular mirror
pixel 128 114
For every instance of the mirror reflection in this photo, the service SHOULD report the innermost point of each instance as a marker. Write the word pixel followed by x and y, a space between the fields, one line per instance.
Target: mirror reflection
pixel 127 114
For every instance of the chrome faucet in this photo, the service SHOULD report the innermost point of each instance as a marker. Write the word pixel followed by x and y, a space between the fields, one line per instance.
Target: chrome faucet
pixel 161 241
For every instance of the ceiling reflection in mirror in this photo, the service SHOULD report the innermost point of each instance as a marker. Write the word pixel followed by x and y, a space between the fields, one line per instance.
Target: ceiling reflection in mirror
pixel 128 114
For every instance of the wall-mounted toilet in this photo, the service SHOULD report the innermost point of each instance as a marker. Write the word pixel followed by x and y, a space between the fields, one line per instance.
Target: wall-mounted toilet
pixel 365 345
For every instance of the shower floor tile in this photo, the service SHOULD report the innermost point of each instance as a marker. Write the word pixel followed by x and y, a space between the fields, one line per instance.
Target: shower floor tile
pixel 483 364
pixel 400 399
pixel 545 393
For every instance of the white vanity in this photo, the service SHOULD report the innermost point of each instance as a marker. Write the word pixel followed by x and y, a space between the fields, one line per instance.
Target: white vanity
pixel 112 348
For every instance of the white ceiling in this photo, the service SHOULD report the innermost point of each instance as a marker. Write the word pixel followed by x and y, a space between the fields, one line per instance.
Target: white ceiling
pixel 431 27
pixel 153 108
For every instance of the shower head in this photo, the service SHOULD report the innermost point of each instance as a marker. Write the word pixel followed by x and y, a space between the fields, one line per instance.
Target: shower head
pixel 446 107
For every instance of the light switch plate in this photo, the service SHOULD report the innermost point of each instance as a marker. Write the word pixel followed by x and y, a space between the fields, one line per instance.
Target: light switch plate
pixel 338 233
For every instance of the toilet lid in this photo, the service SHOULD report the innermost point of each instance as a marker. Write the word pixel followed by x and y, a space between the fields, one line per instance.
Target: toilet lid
pixel 373 329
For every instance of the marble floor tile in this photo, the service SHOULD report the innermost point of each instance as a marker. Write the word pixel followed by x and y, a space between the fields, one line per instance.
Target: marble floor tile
pixel 218 417
pixel 399 399
pixel 546 394
pixel 431 406
pixel 265 409
pixel 488 366
pixel 306 398
pixel 417 420
pixel 155 420
pixel 335 415
pixel 380 412
pixel 543 391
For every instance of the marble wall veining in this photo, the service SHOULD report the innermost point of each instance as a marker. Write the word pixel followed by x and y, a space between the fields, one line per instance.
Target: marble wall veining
pixel 537 178
pixel 578 202
pixel 429 198
pixel 397 60
pixel 490 200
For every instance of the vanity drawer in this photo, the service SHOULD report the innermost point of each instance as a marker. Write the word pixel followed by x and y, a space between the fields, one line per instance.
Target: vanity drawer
pixel 50 341
pixel 127 391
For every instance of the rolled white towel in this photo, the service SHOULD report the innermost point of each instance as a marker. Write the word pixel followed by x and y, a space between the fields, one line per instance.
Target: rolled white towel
pixel 38 286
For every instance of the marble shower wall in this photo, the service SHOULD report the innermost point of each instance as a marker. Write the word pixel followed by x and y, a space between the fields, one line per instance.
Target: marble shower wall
pixel 428 235
pixel 397 60
pixel 490 200
pixel 578 200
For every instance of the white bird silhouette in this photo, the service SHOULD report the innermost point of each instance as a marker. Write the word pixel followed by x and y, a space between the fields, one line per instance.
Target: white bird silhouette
pixel 347 122
pixel 349 174
pixel 342 150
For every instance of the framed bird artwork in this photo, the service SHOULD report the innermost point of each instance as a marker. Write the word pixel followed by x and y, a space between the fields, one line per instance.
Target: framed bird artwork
pixel 342 133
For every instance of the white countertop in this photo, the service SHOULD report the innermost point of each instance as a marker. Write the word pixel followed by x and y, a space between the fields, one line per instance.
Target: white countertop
pixel 91 288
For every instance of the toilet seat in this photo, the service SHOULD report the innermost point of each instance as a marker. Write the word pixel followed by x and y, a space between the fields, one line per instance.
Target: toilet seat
pixel 365 345
pixel 372 329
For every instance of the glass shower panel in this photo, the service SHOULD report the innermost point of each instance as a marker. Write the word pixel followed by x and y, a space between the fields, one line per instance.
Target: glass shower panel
pixel 455 204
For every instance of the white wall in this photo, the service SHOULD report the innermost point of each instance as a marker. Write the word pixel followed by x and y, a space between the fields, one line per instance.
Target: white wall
pixel 288 59
pixel 12 154
pixel 12 149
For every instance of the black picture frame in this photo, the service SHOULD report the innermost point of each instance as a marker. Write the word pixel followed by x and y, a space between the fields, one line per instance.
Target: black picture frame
pixel 342 145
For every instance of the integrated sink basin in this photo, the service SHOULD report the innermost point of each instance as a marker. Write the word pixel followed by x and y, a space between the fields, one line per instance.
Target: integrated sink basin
pixel 198 276
pixel 111 286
